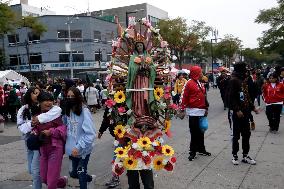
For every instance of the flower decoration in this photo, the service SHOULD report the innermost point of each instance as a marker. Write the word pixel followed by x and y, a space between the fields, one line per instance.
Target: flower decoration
pixel 144 142
pixel 130 163
pixel 121 110
pixel 119 97
pixel 158 163
pixel 167 96
pixel 137 60
pixel 174 106
pixel 110 103
pixel 121 152
pixel 167 125
pixel 168 150
pixel 119 131
pixel 158 93
pixel 164 44
pixel 148 60
pixel 131 21
pixel 169 166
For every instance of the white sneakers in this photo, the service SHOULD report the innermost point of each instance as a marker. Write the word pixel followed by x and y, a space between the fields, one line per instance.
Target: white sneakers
pixel 246 159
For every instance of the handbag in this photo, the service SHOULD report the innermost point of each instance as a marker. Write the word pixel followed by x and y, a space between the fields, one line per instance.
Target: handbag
pixel 203 123
pixel 34 141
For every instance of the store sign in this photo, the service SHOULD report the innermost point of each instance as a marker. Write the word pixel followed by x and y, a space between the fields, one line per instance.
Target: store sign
pixel 26 68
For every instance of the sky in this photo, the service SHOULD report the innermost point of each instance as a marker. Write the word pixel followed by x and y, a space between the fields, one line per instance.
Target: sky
pixel 234 17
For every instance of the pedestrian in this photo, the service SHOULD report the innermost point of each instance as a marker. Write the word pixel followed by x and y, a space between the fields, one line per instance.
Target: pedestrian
pixel 239 101
pixel 104 95
pixel 179 84
pixel 259 83
pixel 273 93
pixel 53 136
pixel 195 103
pixel 92 96
pixel 80 136
pixel 222 83
pixel 25 113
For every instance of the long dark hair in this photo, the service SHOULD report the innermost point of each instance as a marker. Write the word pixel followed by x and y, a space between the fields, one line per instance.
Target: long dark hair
pixel 33 108
pixel 77 109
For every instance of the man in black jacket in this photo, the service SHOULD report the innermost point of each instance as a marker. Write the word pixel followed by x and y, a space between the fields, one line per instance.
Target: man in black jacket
pixel 240 102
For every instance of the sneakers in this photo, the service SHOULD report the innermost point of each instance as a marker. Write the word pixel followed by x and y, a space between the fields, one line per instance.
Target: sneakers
pixel 235 160
pixel 191 156
pixel 205 153
pixel 252 126
pixel 66 181
pixel 113 182
pixel 249 160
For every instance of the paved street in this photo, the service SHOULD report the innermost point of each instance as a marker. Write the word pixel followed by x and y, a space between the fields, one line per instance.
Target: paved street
pixel 213 172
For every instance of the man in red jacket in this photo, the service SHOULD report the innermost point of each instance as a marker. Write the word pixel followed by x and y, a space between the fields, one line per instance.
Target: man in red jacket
pixel 196 106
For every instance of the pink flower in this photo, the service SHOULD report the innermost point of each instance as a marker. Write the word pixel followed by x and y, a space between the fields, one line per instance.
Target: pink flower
pixel 167 89
pixel 121 110
pixel 148 60
pixel 174 106
pixel 137 60
pixel 110 103
pixel 167 96
pixel 164 44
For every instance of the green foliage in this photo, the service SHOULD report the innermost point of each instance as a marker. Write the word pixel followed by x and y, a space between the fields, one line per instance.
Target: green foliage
pixel 33 23
pixel 273 38
pixel 7 19
pixel 184 38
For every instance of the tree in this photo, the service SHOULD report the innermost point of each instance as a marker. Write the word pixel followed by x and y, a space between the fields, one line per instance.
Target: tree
pixel 273 38
pixel 183 38
pixel 227 48
pixel 7 24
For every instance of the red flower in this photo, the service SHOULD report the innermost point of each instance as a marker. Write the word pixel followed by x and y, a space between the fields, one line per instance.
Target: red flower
pixel 131 152
pixel 169 166
pixel 118 170
pixel 167 89
pixel 146 159
pixel 121 110
pixel 134 139
pixel 173 159
pixel 110 103
pixel 137 155
pixel 152 154
pixel 174 106
pixel 167 96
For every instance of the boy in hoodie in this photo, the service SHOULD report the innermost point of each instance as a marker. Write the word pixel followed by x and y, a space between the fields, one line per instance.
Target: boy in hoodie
pixel 196 106
pixel 240 102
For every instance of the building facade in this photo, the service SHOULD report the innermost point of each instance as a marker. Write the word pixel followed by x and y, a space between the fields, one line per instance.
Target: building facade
pixel 144 10
pixel 91 40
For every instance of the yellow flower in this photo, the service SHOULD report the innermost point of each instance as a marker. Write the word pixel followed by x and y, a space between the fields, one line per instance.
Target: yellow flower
pixel 130 163
pixel 158 93
pixel 158 163
pixel 119 97
pixel 144 142
pixel 168 150
pixel 120 152
pixel 119 131
pixel 167 125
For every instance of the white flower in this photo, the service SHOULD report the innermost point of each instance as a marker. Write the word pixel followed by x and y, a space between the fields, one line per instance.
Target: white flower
pixel 161 140
pixel 155 143
pixel 165 161
pixel 115 143
pixel 135 145
pixel 110 110
pixel 144 153
pixel 119 165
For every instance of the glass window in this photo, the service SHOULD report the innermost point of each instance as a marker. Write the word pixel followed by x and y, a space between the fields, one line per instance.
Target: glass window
pixel 63 57
pixel 15 60
pixel 13 39
pixel 77 56
pixel 35 58
pixel 62 34
pixel 108 57
pixel 34 37
pixel 98 56
pixel 76 34
pixel 97 35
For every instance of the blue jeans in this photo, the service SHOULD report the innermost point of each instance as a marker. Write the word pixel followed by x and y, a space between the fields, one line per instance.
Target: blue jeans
pixel 33 167
pixel 79 170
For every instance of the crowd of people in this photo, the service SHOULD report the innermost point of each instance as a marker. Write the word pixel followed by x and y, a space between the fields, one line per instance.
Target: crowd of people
pixel 56 118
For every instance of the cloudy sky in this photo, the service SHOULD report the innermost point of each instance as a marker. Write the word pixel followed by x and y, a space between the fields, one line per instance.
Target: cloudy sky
pixel 228 16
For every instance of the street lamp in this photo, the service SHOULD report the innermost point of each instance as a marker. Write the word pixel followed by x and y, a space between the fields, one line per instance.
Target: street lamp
pixel 130 12
pixel 28 48
pixel 70 21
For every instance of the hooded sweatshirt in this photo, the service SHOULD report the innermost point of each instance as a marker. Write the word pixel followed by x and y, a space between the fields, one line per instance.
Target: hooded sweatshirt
pixel 194 94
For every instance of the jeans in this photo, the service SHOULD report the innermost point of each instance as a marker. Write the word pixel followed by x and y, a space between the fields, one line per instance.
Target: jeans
pixel 273 112
pixel 33 167
pixel 146 177
pixel 79 170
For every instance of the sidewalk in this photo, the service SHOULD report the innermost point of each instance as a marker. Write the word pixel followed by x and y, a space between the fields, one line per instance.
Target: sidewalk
pixel 215 172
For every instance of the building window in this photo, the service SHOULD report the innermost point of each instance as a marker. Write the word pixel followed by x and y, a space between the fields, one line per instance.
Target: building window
pixel 13 39
pixel 33 38
pixel 97 36
pixel 77 56
pixel 15 60
pixel 154 21
pixel 76 35
pixel 108 38
pixel 35 58
pixel 108 57
pixel 98 56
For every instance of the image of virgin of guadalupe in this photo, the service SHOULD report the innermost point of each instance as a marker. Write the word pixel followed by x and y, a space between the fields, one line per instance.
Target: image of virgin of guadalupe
pixel 140 87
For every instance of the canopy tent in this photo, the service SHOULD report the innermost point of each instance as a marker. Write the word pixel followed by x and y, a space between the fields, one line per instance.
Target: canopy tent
pixel 12 77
